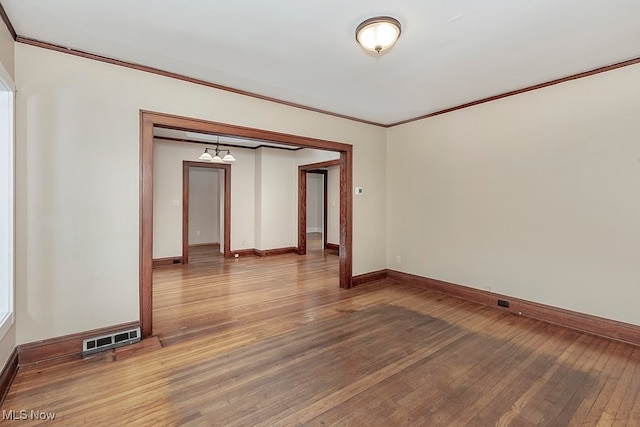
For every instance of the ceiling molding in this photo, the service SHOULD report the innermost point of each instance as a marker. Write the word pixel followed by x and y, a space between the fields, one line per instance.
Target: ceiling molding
pixel 139 67
pixel 8 23
pixel 223 144
pixel 599 70
pixel 172 121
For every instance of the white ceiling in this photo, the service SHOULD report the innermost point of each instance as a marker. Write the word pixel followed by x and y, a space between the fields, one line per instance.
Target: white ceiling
pixel 450 52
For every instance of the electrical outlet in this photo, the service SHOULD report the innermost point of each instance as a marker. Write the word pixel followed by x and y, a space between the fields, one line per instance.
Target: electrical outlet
pixel 198 233
pixel 398 259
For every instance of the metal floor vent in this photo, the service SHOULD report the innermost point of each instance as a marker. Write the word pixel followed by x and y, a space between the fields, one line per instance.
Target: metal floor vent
pixel 106 342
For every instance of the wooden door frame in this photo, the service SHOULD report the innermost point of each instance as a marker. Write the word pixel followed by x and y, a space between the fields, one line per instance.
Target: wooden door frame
pixel 303 170
pixel 150 119
pixel 325 188
pixel 186 167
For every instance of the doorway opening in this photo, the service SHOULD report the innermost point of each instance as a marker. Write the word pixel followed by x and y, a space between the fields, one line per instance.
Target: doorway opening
pixel 150 120
pixel 316 213
pixel 305 174
pixel 224 231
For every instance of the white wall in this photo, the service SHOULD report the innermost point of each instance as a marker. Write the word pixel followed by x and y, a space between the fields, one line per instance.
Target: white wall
pixel 257 217
pixel 78 191
pixel 333 208
pixel 167 187
pixel 204 205
pixel 534 196
pixel 308 156
pixel 278 200
pixel 315 202
pixel 8 341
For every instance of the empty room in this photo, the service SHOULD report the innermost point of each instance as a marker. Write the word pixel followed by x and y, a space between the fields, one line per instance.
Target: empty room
pixel 320 213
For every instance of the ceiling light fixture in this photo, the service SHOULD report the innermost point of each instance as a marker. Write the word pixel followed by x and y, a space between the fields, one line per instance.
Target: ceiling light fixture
pixel 379 33
pixel 216 158
pixel 228 157
pixel 207 157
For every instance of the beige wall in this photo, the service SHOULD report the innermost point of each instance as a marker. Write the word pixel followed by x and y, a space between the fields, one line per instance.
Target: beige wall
pixel 77 188
pixel 534 196
pixel 8 342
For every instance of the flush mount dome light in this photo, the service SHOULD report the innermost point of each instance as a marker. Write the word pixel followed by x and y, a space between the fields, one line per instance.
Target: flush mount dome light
pixel 379 33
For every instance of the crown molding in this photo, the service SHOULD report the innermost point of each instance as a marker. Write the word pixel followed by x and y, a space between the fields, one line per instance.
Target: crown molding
pixel 144 68
pixel 7 22
pixel 598 70
pixel 169 74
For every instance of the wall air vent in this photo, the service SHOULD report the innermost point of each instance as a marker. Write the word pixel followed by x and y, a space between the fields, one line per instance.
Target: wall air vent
pixel 107 342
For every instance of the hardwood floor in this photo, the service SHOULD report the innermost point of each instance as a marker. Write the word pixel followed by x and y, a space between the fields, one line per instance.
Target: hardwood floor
pixel 275 341
pixel 314 241
pixel 204 253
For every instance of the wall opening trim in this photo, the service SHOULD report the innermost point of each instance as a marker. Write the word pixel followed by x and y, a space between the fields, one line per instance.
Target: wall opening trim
pixel 149 120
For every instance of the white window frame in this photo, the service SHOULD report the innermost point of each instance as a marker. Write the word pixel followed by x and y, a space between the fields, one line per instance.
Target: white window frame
pixel 7 192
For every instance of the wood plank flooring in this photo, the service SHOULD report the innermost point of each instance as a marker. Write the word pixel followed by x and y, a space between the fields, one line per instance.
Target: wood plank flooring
pixel 275 341
pixel 204 253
